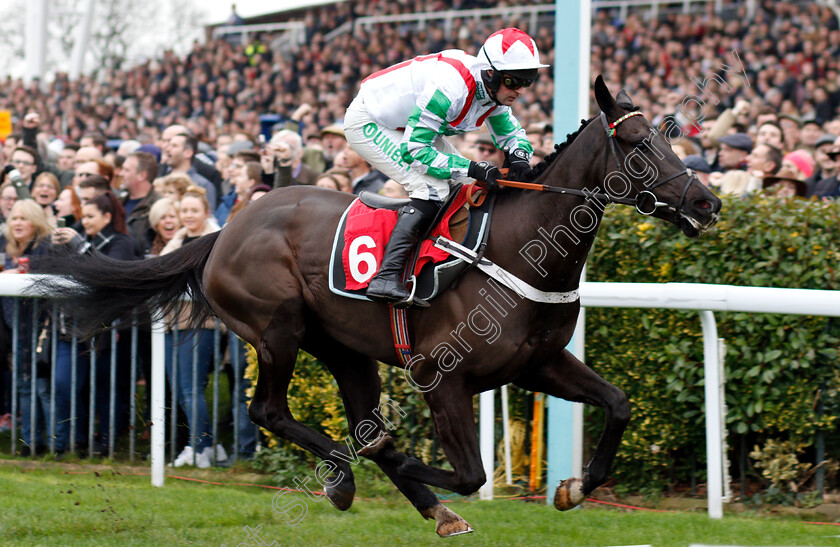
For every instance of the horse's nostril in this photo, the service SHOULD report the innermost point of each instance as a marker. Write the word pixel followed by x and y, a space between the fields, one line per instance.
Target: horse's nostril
pixel 704 204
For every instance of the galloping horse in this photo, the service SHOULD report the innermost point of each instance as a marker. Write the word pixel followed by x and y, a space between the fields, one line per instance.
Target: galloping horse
pixel 265 275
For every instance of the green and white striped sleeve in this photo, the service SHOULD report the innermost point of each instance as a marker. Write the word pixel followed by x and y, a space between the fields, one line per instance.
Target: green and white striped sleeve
pixel 507 133
pixel 428 122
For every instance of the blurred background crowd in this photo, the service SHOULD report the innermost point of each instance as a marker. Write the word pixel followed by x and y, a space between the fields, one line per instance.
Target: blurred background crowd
pixel 141 160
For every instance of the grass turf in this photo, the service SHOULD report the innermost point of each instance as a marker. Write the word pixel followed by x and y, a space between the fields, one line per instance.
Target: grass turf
pixel 61 504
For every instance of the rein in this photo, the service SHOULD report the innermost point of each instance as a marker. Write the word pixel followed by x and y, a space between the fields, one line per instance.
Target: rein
pixel 615 151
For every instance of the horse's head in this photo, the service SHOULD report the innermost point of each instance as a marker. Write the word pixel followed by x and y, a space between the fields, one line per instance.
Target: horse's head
pixel 643 170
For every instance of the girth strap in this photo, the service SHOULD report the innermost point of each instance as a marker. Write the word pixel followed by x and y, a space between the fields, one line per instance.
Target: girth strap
pixel 400 334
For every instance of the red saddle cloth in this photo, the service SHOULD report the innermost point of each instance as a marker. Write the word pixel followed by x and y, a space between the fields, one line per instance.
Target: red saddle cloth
pixel 367 231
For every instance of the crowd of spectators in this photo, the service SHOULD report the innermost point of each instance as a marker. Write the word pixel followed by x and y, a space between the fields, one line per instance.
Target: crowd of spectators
pixel 230 121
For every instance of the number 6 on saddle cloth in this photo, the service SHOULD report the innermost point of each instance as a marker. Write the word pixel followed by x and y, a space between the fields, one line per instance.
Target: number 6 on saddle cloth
pixel 366 225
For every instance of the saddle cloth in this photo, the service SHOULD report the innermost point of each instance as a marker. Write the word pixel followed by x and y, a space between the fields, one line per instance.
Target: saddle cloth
pixel 363 232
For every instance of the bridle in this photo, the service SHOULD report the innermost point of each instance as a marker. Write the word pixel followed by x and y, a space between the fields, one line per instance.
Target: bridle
pixel 619 158
pixel 616 151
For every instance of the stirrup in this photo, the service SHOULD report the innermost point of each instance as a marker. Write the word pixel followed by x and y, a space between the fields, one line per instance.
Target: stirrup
pixel 410 301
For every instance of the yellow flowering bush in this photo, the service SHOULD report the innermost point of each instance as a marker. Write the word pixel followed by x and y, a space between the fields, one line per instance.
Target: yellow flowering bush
pixel 313 397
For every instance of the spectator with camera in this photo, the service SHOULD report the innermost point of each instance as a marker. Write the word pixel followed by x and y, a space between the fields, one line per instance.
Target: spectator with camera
pixel 282 161
pixel 105 231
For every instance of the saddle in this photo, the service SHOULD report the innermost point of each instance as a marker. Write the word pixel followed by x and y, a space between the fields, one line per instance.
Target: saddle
pixel 364 230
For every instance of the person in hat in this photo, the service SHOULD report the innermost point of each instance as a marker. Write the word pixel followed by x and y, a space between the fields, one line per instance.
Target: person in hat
pixel 333 141
pixel 150 149
pixel 784 184
pixel 700 166
pixel 733 151
pixel 789 180
pixel 731 178
pixel 401 115
pixel 800 160
pixel 826 166
pixel 320 152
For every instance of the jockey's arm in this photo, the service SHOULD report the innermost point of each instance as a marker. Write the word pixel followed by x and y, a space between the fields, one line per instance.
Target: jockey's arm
pixel 428 121
pixel 418 149
pixel 507 133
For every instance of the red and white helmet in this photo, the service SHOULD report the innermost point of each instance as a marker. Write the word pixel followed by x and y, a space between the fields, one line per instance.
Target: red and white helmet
pixel 510 49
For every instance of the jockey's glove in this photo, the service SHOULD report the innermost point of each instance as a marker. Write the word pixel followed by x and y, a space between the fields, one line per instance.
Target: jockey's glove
pixel 519 165
pixel 483 171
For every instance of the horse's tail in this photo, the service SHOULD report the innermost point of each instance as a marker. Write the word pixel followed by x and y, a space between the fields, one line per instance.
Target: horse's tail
pixel 102 290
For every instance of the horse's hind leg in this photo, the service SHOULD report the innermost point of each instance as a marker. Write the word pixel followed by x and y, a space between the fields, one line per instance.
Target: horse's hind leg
pixel 358 381
pixel 277 354
pixel 568 378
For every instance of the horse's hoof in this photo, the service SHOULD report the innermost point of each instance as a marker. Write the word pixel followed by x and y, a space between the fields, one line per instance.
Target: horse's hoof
pixel 448 523
pixel 380 443
pixel 453 528
pixel 569 494
pixel 340 496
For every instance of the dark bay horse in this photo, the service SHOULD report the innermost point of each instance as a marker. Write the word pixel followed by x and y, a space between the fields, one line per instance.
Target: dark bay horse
pixel 265 275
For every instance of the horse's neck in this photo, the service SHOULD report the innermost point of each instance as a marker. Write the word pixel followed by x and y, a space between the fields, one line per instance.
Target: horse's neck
pixel 558 229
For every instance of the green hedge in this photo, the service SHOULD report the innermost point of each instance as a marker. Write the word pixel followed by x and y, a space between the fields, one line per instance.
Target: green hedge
pixel 777 366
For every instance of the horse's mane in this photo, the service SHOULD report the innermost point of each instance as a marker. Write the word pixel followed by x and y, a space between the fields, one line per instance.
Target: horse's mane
pixel 541 167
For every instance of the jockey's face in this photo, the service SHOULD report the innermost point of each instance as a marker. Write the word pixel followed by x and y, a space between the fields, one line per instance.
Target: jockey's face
pixel 507 96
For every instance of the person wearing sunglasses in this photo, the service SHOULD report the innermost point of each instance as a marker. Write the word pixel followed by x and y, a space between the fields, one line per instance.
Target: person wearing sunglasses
pixel 402 114
pixel 485 150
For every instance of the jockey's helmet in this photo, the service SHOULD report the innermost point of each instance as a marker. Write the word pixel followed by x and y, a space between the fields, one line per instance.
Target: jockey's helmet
pixel 513 58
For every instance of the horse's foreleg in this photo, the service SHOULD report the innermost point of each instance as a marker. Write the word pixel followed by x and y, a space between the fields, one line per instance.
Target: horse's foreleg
pixel 277 354
pixel 358 381
pixel 568 378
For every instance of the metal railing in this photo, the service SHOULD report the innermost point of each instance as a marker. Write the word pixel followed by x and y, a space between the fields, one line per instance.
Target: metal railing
pixel 295 29
pixel 655 7
pixel 450 17
pixel 107 367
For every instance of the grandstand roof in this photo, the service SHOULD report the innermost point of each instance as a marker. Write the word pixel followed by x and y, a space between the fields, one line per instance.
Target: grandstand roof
pixel 258 11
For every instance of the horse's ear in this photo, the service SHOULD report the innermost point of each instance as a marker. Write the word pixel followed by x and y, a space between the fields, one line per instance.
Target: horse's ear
pixel 623 100
pixel 604 99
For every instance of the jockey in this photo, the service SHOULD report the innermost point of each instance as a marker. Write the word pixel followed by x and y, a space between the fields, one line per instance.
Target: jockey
pixel 401 115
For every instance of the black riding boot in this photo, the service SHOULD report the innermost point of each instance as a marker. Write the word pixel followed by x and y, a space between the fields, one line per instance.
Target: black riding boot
pixel 414 219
